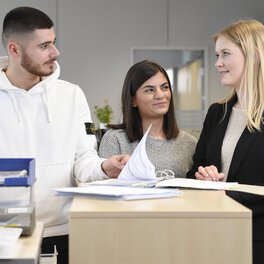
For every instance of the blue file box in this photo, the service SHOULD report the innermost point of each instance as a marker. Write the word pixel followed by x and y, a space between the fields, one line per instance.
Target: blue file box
pixel 17 193
pixel 18 164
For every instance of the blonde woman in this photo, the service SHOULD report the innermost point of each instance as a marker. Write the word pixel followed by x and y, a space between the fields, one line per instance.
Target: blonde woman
pixel 231 146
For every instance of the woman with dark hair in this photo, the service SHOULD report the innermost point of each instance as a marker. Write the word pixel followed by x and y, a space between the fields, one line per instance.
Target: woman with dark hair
pixel 146 100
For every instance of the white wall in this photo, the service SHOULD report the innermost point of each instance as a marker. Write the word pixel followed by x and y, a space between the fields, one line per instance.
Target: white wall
pixel 96 41
pixel 193 23
pixel 95 36
pixel 48 6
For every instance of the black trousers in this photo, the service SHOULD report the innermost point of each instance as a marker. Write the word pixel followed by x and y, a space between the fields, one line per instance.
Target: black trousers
pixel 62 245
pixel 258 252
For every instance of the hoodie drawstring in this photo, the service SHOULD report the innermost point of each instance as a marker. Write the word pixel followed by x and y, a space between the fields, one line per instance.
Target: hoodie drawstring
pixel 15 105
pixel 44 97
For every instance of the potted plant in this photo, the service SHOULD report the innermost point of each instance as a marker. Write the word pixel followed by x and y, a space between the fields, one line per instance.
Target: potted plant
pixel 104 114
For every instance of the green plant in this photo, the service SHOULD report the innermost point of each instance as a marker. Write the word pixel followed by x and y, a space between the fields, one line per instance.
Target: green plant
pixel 104 113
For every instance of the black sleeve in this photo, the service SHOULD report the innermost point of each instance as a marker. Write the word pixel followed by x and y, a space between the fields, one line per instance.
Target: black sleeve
pixel 200 154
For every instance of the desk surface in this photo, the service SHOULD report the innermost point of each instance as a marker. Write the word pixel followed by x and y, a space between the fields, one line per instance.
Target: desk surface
pixel 27 248
pixel 198 227
pixel 202 203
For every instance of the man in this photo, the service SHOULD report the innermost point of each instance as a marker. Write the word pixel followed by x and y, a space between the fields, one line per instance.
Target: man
pixel 48 119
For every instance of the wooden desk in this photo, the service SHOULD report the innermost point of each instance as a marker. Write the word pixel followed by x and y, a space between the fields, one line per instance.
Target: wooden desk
pixel 199 227
pixel 27 248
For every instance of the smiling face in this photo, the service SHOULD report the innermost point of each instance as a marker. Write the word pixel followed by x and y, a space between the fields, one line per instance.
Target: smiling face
pixel 230 62
pixel 153 97
pixel 39 53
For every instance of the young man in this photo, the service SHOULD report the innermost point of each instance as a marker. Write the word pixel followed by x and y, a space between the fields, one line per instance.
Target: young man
pixel 48 119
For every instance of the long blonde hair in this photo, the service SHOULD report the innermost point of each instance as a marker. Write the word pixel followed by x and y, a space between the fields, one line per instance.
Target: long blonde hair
pixel 248 34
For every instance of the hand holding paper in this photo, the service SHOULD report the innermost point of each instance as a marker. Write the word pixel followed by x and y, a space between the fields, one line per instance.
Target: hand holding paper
pixel 139 167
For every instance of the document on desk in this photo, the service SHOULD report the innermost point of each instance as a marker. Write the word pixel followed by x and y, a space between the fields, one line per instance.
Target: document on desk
pixel 253 189
pixel 8 239
pixel 121 182
pixel 139 167
pixel 211 185
pixel 197 184
pixel 117 192
pixel 138 171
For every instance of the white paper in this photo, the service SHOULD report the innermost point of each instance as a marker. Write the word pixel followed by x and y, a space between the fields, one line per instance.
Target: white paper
pixel 139 167
pixel 117 192
pixel 121 182
pixel 197 184
pixel 8 239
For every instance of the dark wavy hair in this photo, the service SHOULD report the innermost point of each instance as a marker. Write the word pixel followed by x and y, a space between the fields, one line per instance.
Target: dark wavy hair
pixel 132 123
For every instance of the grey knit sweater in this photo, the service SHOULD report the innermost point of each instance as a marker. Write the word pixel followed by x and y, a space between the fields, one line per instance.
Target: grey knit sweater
pixel 175 154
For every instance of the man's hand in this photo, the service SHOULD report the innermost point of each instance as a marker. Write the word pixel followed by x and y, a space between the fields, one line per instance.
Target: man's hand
pixel 113 166
pixel 209 173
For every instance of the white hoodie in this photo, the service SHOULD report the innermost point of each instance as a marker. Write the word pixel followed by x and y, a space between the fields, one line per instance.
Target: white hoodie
pixel 47 123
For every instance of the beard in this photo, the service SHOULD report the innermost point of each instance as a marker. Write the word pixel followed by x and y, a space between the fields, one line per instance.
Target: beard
pixel 37 69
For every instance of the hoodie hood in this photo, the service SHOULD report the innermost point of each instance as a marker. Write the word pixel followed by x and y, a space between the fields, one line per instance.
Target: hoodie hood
pixel 42 88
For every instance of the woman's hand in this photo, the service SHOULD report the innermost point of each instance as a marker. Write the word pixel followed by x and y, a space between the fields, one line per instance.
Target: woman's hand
pixel 209 173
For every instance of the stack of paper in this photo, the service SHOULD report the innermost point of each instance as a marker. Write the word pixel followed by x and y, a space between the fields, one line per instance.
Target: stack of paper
pixel 117 192
pixel 121 182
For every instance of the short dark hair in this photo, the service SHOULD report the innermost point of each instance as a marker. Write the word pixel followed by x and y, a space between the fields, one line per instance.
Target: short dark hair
pixel 23 20
pixel 132 123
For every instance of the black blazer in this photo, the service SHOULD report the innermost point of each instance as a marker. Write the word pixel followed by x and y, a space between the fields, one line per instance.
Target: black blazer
pixel 247 164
